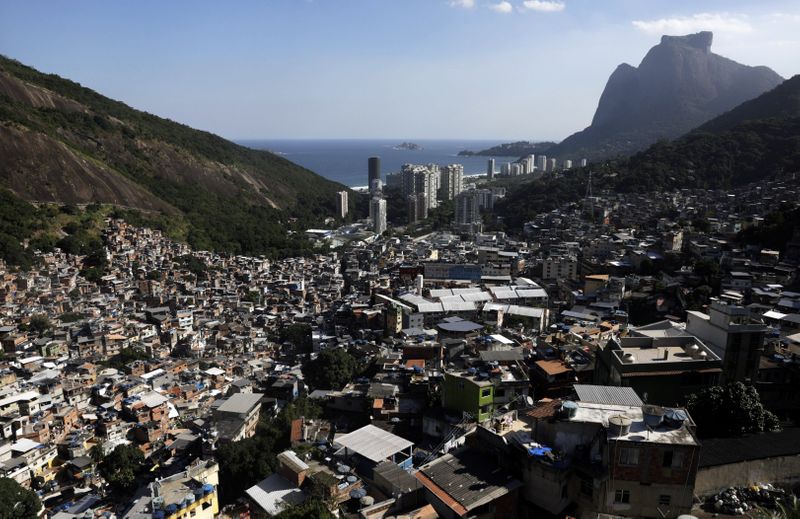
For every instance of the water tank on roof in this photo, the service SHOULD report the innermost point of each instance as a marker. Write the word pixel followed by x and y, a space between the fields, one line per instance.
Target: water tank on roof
pixel 619 425
pixel 367 501
pixel 358 493
pixel 653 415
pixel 569 408
pixel 674 417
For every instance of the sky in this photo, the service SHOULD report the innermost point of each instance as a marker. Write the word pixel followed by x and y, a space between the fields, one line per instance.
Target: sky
pixel 436 69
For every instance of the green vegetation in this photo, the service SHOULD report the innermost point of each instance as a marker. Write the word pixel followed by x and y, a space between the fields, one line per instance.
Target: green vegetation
pixel 775 231
pixel 18 221
pixel 332 369
pixel 749 152
pixel 730 410
pixel 70 317
pixel 512 149
pixel 125 357
pixel 123 467
pixel 17 502
pixel 39 324
pixel 244 463
pixel 211 192
pixel 299 335
pixel 311 509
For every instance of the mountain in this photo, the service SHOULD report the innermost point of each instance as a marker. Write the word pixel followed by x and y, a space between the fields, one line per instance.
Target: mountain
pixel 758 139
pixel 679 85
pixel 62 142
pixel 512 149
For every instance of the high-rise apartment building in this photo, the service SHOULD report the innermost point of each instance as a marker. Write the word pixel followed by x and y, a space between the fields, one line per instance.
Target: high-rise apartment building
pixel 377 213
pixel 417 207
pixel 421 180
pixel 451 179
pixel 341 204
pixel 490 168
pixel 542 163
pixel 374 171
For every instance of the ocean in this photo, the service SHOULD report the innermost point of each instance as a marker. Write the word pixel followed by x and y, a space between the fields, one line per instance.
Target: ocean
pixel 345 160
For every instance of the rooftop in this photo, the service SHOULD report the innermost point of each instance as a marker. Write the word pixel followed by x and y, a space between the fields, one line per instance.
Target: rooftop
pixel 240 403
pixel 274 493
pixel 466 480
pixel 639 432
pixel 607 395
pixel 373 443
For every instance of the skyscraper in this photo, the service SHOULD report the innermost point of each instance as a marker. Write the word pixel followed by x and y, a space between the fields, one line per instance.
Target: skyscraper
pixel 374 166
pixel 567 164
pixel 417 208
pixel 542 163
pixel 583 163
pixel 451 179
pixel 490 168
pixel 341 204
pixel 377 212
pixel 421 179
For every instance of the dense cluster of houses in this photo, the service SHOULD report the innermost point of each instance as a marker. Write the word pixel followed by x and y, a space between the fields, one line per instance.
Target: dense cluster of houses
pixel 504 378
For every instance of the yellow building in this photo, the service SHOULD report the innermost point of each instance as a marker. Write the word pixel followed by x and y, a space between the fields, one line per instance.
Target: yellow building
pixel 188 494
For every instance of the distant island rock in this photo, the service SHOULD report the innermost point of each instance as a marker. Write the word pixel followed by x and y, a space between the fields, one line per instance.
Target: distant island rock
pixel 512 149
pixel 409 146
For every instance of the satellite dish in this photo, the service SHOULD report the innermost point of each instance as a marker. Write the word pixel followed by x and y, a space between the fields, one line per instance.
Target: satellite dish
pixel 529 401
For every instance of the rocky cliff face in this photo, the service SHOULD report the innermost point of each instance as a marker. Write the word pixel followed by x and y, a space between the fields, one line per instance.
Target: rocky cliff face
pixel 679 85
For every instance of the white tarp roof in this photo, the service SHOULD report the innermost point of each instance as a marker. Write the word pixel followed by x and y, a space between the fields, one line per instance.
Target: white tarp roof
pixel 373 443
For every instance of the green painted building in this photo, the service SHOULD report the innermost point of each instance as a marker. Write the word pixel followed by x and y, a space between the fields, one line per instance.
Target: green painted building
pixel 463 392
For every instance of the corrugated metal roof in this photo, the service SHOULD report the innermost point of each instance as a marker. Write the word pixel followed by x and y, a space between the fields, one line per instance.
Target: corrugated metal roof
pixel 607 395
pixel 470 478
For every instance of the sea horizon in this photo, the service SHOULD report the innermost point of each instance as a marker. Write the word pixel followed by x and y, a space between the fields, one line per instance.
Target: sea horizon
pixel 345 160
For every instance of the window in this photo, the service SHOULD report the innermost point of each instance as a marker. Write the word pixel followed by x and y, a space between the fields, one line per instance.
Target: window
pixel 672 460
pixel 664 500
pixel 587 486
pixel 628 456
pixel 622 496
pixel 487 391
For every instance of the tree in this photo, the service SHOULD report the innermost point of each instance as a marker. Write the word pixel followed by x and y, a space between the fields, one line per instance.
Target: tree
pixel 126 356
pixel 123 467
pixel 17 502
pixel 730 410
pixel 311 509
pixel 299 335
pixel 332 369
pixel 96 453
pixel 39 324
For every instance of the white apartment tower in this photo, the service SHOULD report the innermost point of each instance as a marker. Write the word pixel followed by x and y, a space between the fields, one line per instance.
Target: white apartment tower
pixel 377 213
pixel 542 163
pixel 451 180
pixel 341 204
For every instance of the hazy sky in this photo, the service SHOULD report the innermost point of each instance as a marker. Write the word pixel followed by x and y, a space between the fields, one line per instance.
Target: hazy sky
pixel 511 69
